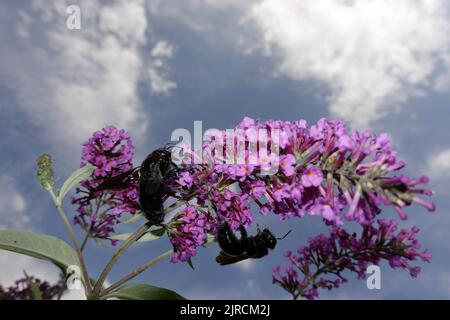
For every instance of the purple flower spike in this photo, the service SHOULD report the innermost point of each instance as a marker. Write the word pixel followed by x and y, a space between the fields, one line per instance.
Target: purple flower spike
pixel 111 152
pixel 322 263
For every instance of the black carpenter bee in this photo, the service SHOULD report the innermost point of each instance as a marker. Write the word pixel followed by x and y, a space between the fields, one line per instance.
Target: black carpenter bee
pixel 150 175
pixel 235 250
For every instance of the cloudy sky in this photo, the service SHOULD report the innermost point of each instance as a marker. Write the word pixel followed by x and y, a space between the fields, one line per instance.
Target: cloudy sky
pixel 153 66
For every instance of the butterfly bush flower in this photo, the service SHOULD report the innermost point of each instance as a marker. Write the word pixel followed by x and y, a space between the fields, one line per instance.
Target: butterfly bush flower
pixel 187 232
pixel 185 179
pixel 232 207
pixel 312 177
pixel 324 170
pixel 111 152
pixel 321 264
pixel 287 164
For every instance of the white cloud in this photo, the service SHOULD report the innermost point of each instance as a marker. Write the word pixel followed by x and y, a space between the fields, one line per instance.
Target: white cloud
pixel 158 69
pixel 13 205
pixel 372 55
pixel 218 20
pixel 72 82
pixel 439 165
pixel 162 49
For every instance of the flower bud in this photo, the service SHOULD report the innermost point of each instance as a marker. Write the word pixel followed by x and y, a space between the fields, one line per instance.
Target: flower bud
pixel 45 172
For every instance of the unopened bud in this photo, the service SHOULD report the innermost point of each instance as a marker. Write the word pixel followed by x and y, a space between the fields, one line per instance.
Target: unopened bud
pixel 45 172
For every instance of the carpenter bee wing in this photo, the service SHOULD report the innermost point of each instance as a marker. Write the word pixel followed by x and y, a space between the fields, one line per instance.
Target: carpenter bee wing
pixel 121 181
pixel 225 259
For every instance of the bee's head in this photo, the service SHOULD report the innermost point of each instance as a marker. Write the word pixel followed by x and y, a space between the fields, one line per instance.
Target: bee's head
pixel 268 238
pixel 162 153
pixel 156 156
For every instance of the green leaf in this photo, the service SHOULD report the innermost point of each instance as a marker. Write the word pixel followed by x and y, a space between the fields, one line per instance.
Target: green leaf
pixel 39 246
pixel 35 291
pixel 79 175
pixel 37 295
pixel 190 264
pixel 149 236
pixel 134 218
pixel 144 292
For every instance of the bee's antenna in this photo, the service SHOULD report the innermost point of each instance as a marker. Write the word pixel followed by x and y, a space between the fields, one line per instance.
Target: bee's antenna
pixel 172 144
pixel 284 235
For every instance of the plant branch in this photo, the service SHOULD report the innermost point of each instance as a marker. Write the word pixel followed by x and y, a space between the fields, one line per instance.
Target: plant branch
pixel 125 245
pixel 136 272
pixel 85 241
pixel 63 216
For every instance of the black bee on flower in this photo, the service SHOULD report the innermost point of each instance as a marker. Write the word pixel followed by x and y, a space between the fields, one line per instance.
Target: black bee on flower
pixel 150 176
pixel 236 249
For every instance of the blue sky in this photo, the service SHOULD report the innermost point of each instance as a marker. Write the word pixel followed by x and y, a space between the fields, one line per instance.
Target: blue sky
pixel 153 66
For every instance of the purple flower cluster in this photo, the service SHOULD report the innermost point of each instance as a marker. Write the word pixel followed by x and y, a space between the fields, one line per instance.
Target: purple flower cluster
pixel 323 261
pixel 21 289
pixel 323 170
pixel 233 207
pixel 187 231
pixel 111 152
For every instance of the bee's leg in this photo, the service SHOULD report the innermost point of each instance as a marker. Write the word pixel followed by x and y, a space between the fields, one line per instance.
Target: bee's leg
pixel 174 169
pixel 243 232
pixel 186 202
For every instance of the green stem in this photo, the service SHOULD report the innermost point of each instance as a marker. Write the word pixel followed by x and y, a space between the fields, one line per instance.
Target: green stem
pixel 63 216
pixel 135 273
pixel 125 245
pixel 85 241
